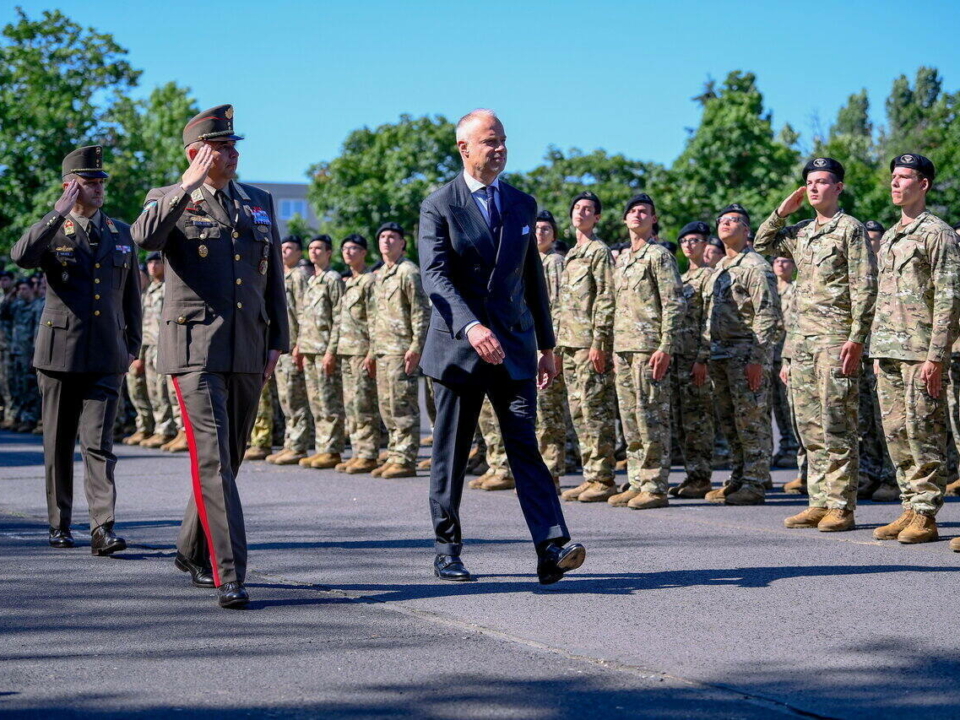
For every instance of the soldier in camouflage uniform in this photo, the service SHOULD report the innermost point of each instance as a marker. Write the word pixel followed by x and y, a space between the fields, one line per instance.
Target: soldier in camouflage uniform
pixel 261 436
pixel 397 333
pixel 8 295
pixel 691 394
pixel 291 385
pixel 584 346
pixel 650 309
pixel 26 319
pixel 743 326
pixel 498 475
pixel 324 391
pixel 350 348
pixel 786 455
pixel 788 307
pixel 953 400
pixel 836 292
pixel 915 324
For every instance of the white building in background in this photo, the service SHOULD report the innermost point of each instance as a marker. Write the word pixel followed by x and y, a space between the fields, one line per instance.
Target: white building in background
pixel 290 199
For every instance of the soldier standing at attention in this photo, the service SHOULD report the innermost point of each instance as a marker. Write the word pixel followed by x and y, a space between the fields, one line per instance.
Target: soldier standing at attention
pixel 89 334
pixel 650 308
pixel 8 293
pixel 918 304
pixel 350 349
pixel 291 385
pixel 742 329
pixel 398 330
pixel 163 397
pixel 784 268
pixel 223 328
pixel 691 393
pixel 324 390
pixel 26 320
pixel 584 350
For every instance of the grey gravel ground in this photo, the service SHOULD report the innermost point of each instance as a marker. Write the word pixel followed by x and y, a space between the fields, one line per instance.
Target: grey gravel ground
pixel 689 611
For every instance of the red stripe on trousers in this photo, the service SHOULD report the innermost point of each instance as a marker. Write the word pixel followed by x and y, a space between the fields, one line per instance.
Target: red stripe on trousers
pixel 197 489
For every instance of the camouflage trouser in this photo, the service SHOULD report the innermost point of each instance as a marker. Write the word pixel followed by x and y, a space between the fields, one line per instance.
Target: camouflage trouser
pixel 360 401
pixel 744 416
pixel 693 407
pixel 25 390
pixel 492 437
pixel 801 450
pixel 645 413
pixel 292 392
pixel 400 409
pixel 915 428
pixel 552 426
pixel 429 399
pixel 953 402
pixel 262 434
pixel 325 393
pixel 9 411
pixel 163 396
pixel 779 392
pixel 874 458
pixel 826 403
pixel 140 397
pixel 592 399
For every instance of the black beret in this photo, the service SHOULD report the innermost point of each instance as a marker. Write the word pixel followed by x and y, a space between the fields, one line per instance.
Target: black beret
pixel 669 245
pixel 295 239
pixel 873 226
pixel 391 226
pixel 587 195
pixel 824 164
pixel 561 246
pixel 547 217
pixel 154 256
pixel 356 239
pixel 735 208
pixel 641 199
pixel 86 162
pixel 215 124
pixel 324 238
pixel 697 227
pixel 922 165
pixel 143 268
pixel 717 243
pixel 956 226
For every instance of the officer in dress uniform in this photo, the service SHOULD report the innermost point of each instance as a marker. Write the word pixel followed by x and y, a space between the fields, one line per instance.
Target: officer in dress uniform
pixel 89 334
pixel 222 330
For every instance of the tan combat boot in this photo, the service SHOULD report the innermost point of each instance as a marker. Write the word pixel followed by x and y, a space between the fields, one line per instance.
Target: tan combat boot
pixel 425 464
pixel 953 489
pixel 383 458
pixel 597 492
pixel 290 458
pixel 892 531
pixel 691 489
pixel 746 495
pixel 395 470
pixel 886 493
pixel 305 462
pixel 807 518
pixel 361 466
pixel 922 529
pixel 622 498
pixel 574 493
pixel 498 481
pixel 795 487
pixel 427 441
pixel 342 466
pixel 139 436
pixel 256 453
pixel 178 444
pixel 273 456
pixel 955 544
pixel 621 466
pixel 719 496
pixel 837 520
pixel 648 501
pixel 325 460
pixel 378 471
pixel 156 441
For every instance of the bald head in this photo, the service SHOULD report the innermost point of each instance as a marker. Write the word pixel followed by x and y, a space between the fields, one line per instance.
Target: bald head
pixel 482 143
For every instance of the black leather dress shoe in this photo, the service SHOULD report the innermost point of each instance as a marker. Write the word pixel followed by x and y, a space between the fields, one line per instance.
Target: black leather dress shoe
pixel 554 561
pixel 232 595
pixel 450 567
pixel 60 538
pixel 201 576
pixel 103 541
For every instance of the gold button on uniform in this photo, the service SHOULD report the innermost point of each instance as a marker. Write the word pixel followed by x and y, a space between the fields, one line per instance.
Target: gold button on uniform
pixel 96 312
pixel 49 324
pixel 181 320
pixel 240 306
pixel 235 234
pixel 239 281
pixel 96 281
pixel 97 266
pixel 237 258
pixel 96 297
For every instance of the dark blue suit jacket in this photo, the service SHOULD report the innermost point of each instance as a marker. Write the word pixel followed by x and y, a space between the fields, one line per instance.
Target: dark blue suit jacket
pixel 468 278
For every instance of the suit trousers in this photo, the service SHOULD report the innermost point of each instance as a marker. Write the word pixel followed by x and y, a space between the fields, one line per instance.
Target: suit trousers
pixel 458 408
pixel 84 405
pixel 218 411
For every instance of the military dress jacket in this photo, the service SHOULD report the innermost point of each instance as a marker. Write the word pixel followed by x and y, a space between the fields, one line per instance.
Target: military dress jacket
pixel 91 321
pixel 224 305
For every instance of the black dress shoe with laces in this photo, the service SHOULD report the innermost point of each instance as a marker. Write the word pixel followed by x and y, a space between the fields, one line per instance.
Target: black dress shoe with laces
pixel 450 567
pixel 232 595
pixel 103 541
pixel 554 561
pixel 201 575
pixel 60 538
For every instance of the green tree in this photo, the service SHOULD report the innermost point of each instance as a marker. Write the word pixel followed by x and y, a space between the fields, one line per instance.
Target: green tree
pixel 58 82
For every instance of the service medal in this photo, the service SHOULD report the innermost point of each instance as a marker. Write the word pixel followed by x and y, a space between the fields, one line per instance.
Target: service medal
pixel 202 250
pixel 263 267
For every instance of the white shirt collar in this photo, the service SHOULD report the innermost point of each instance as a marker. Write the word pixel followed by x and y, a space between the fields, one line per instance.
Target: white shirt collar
pixel 473 185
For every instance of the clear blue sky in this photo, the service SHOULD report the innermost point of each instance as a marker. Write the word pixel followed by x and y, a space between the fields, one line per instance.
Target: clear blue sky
pixel 598 74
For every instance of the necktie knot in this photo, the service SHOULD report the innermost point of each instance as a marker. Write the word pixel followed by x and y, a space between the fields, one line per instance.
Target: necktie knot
pixel 493 212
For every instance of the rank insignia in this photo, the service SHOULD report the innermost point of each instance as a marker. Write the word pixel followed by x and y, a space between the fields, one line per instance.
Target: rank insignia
pixel 149 205
pixel 110 226
pixel 197 195
pixel 203 251
pixel 69 228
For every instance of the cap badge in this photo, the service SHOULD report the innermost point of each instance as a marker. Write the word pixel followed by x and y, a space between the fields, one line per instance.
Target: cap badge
pixel 228 113
pixel 819 162
pixel 906 158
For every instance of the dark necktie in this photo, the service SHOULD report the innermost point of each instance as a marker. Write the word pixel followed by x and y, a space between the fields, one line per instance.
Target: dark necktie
pixel 225 204
pixel 493 213
pixel 93 234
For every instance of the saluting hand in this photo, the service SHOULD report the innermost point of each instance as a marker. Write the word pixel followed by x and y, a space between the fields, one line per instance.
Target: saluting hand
pixel 793 203
pixel 486 344
pixel 69 198
pixel 197 172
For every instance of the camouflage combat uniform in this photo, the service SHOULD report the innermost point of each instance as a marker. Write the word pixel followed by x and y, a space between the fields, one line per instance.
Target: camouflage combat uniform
pixel 6 357
pixel 137 391
pixel 261 436
pixel 350 342
pixel 551 402
pixel 743 327
pixel 586 322
pixel 650 308
pixel 26 392
pixel 493 439
pixel 399 326
pixel 835 295
pixel 325 392
pixel 162 395
pixel 291 386
pixel 779 392
pixel 788 306
pixel 918 304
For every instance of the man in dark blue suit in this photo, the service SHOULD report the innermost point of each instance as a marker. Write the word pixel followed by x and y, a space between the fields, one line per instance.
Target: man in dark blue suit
pixel 480 267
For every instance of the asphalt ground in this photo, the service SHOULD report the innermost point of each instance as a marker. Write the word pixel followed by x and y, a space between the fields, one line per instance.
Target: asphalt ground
pixel 690 611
